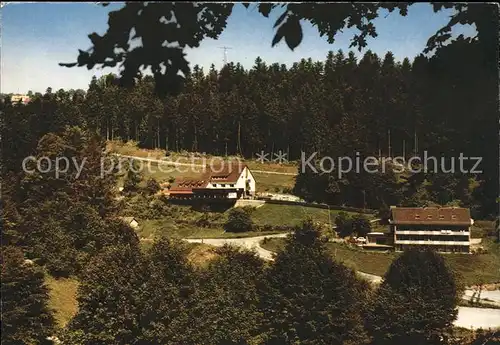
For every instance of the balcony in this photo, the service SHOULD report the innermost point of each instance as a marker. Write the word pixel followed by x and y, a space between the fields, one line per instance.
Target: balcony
pixel 432 232
pixel 434 243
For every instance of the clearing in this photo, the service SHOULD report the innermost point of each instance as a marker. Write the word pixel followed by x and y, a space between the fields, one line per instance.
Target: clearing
pixel 266 182
pixel 62 292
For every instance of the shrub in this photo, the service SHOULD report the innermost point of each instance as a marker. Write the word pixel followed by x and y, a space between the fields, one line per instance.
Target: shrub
pixel 152 186
pixel 238 221
pixel 416 303
pixel 203 221
pixel 361 225
pixel 26 316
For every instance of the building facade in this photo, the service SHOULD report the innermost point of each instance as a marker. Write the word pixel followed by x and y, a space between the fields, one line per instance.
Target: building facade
pixel 228 181
pixel 445 229
pixel 20 98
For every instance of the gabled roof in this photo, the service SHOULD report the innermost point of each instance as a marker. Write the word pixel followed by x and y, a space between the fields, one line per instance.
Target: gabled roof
pixel 430 216
pixel 128 219
pixel 225 172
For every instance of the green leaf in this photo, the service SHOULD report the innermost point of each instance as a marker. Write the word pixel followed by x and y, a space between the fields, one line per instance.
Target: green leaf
pixel 280 19
pixel 72 64
pixel 293 35
pixel 278 36
pixel 265 9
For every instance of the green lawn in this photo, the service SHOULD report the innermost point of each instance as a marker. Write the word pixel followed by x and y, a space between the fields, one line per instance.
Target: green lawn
pixel 480 268
pixel 273 183
pixel 173 223
pixel 264 182
pixel 167 227
pixel 62 300
pixel 275 214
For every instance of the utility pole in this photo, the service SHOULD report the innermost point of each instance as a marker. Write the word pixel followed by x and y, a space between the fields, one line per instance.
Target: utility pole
pixel 389 143
pixel 225 53
pixel 239 139
pixel 415 147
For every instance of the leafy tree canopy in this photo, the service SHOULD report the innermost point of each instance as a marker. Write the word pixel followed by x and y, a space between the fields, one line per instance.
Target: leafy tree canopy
pixel 166 29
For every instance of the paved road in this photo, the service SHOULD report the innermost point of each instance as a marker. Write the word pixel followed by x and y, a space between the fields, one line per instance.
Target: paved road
pixel 467 317
pixel 171 163
pixel 491 297
pixel 248 242
pixel 478 318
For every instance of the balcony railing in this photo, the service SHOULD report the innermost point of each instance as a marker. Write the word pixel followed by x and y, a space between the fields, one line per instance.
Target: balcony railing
pixel 434 243
pixel 432 232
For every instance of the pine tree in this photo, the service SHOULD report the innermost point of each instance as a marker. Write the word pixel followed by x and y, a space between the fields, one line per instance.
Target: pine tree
pixel 107 299
pixel 224 306
pixel 308 298
pixel 416 302
pixel 26 317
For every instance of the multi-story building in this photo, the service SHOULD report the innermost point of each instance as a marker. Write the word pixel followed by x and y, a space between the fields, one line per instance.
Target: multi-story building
pixel 445 229
pixel 227 181
pixel 14 99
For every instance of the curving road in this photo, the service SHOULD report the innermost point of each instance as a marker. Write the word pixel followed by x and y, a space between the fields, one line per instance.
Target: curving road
pixel 247 242
pixel 468 317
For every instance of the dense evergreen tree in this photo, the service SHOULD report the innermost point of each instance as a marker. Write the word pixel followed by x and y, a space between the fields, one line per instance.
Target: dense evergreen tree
pixel 416 302
pixel 224 309
pixel 107 299
pixel 238 220
pixel 334 108
pixel 308 298
pixel 65 212
pixel 26 317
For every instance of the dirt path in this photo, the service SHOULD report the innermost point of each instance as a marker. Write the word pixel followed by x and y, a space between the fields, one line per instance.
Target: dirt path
pixel 171 163
pixel 248 242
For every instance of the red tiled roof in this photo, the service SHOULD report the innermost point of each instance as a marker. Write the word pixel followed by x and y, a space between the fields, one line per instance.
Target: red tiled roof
pixel 225 172
pixel 431 215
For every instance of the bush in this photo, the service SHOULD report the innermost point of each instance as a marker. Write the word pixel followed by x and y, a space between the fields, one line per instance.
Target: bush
pixel 203 221
pixel 248 209
pixel 344 224
pixel 416 303
pixel 26 316
pixel 238 221
pixel 361 225
pixel 152 186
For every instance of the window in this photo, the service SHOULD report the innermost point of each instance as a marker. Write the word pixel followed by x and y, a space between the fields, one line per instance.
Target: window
pixel 453 216
pixel 417 216
pixel 429 217
pixel 231 185
pixel 441 216
pixel 214 184
pixel 222 185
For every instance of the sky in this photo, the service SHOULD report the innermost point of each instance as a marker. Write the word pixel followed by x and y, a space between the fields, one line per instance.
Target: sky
pixel 36 37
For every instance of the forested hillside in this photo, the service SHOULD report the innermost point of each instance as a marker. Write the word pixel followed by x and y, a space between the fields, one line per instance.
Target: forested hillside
pixel 336 107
